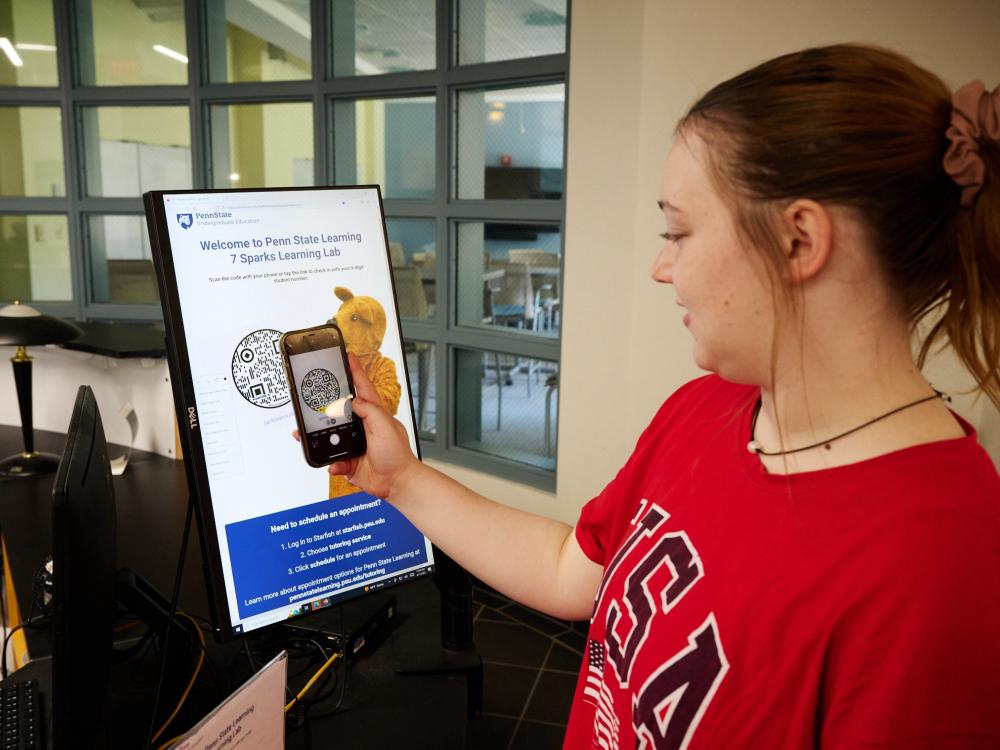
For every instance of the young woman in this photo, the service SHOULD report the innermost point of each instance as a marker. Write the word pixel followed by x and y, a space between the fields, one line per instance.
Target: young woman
pixel 804 548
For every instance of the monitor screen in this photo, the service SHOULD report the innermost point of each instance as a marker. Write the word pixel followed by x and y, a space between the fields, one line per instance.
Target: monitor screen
pixel 237 269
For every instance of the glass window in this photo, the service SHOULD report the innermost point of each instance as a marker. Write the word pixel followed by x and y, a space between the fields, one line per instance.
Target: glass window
pixel 388 142
pixel 255 41
pixel 382 36
pixel 510 143
pixel 507 406
pixel 27 44
pixel 509 276
pixel 32 158
pixel 34 258
pixel 412 250
pixel 128 43
pixel 262 145
pixel 491 30
pixel 128 150
pixel 420 366
pixel 120 260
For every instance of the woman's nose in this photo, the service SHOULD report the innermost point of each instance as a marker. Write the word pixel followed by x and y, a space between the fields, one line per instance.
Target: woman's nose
pixel 663 267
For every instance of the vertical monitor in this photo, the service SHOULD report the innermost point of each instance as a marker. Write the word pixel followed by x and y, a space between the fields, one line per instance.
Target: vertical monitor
pixel 236 269
pixel 83 577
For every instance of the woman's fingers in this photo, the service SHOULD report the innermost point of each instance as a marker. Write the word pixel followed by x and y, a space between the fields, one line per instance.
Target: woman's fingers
pixel 295 434
pixel 345 468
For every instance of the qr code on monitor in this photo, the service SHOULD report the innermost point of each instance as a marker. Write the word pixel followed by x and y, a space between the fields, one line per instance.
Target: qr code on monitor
pixel 257 371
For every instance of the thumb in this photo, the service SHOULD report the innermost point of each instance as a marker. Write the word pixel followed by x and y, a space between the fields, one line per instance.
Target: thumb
pixel 362 385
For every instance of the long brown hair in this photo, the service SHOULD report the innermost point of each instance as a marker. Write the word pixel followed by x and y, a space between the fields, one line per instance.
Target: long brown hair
pixel 864 127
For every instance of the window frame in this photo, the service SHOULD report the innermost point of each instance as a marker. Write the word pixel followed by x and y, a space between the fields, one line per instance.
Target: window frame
pixel 444 82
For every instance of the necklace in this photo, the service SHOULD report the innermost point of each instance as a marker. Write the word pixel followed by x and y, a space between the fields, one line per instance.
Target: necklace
pixel 754 447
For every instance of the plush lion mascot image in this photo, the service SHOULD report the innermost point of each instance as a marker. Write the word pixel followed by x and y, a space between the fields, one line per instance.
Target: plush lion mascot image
pixel 362 321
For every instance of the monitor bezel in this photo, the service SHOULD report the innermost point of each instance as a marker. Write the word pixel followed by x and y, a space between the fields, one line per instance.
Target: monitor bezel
pixel 182 384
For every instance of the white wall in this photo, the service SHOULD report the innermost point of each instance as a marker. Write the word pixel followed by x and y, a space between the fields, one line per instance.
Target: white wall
pixel 635 67
pixel 56 375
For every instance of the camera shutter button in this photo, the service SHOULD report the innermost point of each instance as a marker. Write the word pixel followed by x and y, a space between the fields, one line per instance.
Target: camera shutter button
pixel 334 439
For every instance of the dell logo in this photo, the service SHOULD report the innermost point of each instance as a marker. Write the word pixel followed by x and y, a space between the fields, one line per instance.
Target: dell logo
pixel 192 418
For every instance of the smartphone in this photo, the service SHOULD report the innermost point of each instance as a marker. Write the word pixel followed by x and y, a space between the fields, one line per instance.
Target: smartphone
pixel 315 361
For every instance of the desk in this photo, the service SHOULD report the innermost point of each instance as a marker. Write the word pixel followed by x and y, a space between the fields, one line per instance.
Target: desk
pixel 381 709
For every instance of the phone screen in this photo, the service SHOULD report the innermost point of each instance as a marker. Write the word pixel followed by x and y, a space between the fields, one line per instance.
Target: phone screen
pixel 319 379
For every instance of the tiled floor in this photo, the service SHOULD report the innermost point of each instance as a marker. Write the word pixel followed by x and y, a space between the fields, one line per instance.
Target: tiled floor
pixel 530 664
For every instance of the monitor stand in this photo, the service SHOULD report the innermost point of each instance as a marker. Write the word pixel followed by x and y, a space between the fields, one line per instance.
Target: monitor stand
pixel 421 648
pixel 142 599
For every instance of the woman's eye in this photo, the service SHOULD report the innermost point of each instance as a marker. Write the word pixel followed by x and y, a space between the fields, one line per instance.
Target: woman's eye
pixel 671 237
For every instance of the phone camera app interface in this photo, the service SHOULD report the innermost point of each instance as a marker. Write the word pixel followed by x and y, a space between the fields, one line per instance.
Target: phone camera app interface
pixel 320 380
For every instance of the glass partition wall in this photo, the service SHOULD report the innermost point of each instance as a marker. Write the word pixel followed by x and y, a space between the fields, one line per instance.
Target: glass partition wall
pixel 456 108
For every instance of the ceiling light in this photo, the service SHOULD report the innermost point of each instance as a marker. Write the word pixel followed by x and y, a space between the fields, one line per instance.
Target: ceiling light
pixel 30 47
pixel 8 48
pixel 234 177
pixel 495 115
pixel 170 53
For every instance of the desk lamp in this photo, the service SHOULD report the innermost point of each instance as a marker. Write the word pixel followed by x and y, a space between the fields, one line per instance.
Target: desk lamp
pixel 22 326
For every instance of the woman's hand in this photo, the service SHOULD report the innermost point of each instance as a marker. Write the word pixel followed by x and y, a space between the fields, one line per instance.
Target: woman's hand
pixel 389 455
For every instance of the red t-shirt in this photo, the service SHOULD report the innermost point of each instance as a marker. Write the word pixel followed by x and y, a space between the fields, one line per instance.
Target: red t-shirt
pixel 857 606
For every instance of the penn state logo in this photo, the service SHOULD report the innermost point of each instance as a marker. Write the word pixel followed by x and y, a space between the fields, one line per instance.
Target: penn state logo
pixel 185 220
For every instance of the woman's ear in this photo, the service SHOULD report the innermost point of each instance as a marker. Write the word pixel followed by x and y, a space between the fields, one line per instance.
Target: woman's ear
pixel 807 239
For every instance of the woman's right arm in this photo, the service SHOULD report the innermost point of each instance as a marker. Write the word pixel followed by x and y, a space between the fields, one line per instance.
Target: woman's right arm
pixel 532 559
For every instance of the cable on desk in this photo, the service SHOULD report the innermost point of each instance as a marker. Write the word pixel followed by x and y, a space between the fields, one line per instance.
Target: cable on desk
pixel 194 677
pixel 170 621
pixel 312 680
pixel 343 686
pixel 336 706
pixel 29 623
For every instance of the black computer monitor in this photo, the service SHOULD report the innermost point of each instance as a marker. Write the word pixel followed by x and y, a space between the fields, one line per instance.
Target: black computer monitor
pixel 83 578
pixel 236 269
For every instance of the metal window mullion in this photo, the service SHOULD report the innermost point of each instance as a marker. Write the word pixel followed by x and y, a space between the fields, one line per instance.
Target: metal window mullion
pixel 523 71
pixel 404 208
pixel 65 26
pixel 381 94
pixel 508 211
pixel 320 20
pixel 30 95
pixel 386 83
pixel 443 385
pixel 131 95
pixel 195 36
pixel 496 339
pixel 259 91
pixel 109 205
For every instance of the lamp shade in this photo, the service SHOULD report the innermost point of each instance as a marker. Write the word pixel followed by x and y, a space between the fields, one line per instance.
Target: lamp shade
pixel 23 325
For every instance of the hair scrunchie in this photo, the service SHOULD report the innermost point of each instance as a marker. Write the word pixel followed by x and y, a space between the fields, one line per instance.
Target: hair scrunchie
pixel 975 119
